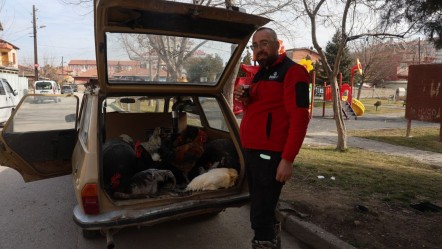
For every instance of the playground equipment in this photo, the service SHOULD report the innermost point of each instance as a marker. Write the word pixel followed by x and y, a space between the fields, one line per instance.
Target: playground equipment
pixel 351 107
pixel 358 107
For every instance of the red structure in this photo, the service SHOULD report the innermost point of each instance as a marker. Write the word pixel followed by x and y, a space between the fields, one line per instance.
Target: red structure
pixel 424 95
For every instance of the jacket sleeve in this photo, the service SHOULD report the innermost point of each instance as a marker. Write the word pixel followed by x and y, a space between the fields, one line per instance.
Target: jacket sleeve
pixel 296 101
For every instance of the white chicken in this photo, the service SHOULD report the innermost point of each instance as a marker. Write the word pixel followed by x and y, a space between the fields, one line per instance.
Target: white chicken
pixel 214 179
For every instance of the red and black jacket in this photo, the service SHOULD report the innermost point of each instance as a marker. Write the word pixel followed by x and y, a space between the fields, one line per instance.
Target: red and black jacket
pixel 276 116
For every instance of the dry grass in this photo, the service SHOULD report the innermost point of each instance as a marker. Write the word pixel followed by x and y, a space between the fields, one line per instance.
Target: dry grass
pixel 384 185
pixel 386 107
pixel 423 138
pixel 389 178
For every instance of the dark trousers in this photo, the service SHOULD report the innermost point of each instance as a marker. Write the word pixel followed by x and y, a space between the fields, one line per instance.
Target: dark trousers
pixel 264 191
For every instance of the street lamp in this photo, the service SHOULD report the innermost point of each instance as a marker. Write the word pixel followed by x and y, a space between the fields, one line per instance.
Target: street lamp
pixel 35 43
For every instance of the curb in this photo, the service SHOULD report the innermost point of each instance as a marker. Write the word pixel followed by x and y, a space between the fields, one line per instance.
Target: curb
pixel 309 233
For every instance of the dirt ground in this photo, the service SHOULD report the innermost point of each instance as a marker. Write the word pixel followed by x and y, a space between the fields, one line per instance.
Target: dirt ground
pixel 369 223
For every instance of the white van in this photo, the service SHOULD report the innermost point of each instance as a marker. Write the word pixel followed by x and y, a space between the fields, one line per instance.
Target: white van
pixel 8 100
pixel 46 87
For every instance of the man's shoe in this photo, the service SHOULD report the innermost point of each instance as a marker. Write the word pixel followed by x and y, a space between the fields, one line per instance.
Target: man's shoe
pixel 258 244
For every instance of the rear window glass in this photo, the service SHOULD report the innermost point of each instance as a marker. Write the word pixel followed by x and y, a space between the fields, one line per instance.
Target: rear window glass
pixel 43 86
pixel 137 104
pixel 159 59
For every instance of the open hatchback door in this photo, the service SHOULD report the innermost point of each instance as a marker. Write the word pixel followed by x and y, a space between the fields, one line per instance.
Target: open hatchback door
pixel 163 45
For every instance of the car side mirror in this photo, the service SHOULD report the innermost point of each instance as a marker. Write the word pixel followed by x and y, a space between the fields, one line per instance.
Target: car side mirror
pixel 70 117
pixel 15 93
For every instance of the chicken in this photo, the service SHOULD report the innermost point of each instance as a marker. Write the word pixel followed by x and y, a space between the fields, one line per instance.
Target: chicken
pixel 187 154
pixel 218 153
pixel 214 179
pixel 153 144
pixel 119 162
pixel 148 183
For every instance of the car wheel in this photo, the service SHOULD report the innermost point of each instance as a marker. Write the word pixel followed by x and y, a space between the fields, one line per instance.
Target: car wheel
pixel 91 234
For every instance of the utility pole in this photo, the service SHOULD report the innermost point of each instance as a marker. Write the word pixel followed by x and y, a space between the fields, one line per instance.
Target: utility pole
pixel 35 43
pixel 62 69
pixel 419 50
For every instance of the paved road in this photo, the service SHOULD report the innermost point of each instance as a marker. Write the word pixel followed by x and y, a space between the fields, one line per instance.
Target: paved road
pixel 39 215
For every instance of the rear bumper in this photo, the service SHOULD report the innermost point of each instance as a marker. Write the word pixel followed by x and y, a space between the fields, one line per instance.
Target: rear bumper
pixel 128 217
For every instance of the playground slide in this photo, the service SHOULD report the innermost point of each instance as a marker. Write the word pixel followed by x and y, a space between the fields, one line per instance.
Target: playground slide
pixel 358 107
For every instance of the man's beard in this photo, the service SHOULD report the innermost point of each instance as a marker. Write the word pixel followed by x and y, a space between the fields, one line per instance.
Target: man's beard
pixel 269 60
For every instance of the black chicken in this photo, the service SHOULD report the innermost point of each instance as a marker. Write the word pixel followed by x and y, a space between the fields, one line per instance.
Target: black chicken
pixel 218 153
pixel 119 161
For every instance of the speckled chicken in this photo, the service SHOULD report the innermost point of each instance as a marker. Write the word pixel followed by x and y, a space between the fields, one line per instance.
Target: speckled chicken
pixel 153 144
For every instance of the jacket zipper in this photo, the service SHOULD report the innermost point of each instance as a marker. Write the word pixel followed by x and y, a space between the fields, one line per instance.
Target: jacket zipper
pixel 269 124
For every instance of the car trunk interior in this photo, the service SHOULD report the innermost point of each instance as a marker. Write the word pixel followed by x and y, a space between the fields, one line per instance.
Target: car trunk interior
pixel 170 152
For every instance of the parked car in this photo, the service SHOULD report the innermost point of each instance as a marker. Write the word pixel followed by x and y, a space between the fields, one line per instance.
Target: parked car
pixel 179 130
pixel 8 100
pixel 46 90
pixel 66 89
pixel 74 87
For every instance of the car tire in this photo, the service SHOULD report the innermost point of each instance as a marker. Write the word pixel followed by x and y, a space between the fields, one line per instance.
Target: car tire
pixel 91 234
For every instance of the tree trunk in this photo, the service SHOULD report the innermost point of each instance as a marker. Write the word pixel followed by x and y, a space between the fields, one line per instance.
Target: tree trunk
pixel 337 110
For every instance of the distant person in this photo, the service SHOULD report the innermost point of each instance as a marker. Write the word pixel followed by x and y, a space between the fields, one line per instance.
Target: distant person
pixel 272 131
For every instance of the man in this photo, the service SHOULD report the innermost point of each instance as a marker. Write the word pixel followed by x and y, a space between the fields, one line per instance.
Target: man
pixel 272 130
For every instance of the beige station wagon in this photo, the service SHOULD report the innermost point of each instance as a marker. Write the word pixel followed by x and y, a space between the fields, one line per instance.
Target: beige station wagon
pixel 143 136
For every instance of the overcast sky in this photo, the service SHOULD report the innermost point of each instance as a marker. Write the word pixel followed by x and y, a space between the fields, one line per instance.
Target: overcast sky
pixel 68 33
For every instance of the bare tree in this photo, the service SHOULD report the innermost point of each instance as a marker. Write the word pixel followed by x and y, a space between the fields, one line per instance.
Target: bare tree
pixel 354 19
pixel 376 58
pixel 49 71
pixel 169 51
pixel 270 9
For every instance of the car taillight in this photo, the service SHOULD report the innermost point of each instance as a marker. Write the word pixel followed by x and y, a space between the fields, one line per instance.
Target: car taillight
pixel 89 197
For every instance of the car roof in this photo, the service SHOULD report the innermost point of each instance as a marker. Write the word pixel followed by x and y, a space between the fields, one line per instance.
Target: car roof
pixel 171 18
pixel 38 81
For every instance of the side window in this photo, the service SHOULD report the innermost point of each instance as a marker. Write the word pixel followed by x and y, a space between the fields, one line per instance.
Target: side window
pixel 194 119
pixel 213 113
pixel 31 117
pixel 85 119
pixel 8 87
pixel 2 89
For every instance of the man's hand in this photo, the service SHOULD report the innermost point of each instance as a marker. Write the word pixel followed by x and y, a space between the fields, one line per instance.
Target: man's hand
pixel 284 171
pixel 238 94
